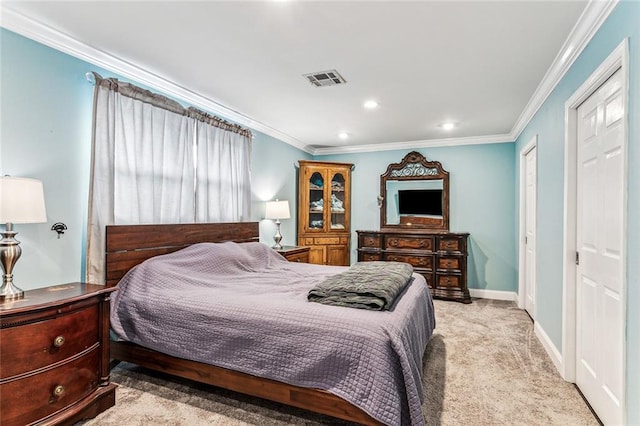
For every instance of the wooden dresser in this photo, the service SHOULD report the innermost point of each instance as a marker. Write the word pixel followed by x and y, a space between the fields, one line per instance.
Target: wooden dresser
pixel 54 355
pixel 441 257
pixel 295 253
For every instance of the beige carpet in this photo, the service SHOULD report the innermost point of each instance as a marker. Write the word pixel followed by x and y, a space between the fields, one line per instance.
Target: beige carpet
pixel 484 366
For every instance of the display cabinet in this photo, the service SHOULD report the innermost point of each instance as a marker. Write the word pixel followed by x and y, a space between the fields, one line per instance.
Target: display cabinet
pixel 324 211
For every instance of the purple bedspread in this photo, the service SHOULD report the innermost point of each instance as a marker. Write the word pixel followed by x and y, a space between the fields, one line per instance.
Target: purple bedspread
pixel 244 307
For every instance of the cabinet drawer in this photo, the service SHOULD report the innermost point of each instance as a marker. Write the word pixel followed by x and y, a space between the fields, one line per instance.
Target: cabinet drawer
pixel 368 257
pixel 448 280
pixel 370 241
pixel 36 345
pixel 450 262
pixel 451 244
pixel 73 381
pixel 425 262
pixel 326 240
pixel 409 242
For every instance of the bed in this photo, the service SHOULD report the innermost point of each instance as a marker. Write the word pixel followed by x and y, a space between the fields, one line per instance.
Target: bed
pixel 353 393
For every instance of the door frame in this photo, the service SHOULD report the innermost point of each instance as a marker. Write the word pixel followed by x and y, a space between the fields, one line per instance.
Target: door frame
pixel 522 279
pixel 618 59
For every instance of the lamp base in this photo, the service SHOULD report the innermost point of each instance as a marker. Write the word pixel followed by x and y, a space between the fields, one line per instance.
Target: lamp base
pixel 10 292
pixel 278 237
pixel 10 252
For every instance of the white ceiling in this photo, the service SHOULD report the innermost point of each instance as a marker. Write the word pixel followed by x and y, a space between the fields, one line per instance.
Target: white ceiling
pixel 476 63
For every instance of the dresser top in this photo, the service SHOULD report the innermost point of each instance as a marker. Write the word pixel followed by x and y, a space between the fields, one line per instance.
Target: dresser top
pixel 420 231
pixel 52 296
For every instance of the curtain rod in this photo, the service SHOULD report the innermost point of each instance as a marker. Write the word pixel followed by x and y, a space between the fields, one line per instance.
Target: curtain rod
pixel 203 116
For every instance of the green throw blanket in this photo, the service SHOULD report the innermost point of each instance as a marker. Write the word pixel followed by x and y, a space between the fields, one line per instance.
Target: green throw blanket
pixel 365 285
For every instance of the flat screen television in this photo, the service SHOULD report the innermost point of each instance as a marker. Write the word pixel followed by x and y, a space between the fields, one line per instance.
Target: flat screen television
pixel 427 202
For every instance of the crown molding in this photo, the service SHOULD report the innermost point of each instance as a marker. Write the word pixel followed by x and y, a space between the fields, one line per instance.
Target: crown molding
pixel 592 17
pixel 34 30
pixel 430 143
pixel 595 13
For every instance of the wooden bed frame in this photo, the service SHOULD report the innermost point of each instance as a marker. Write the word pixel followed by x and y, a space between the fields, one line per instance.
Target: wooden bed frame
pixel 129 245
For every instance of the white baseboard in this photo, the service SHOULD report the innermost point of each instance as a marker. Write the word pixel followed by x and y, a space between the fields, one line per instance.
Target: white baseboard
pixel 552 351
pixel 493 294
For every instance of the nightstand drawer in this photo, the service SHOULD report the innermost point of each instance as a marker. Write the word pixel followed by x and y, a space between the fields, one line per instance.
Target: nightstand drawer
pixel 32 346
pixel 298 257
pixel 49 391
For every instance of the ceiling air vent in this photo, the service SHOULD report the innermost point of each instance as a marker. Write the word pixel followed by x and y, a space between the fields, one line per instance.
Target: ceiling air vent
pixel 325 78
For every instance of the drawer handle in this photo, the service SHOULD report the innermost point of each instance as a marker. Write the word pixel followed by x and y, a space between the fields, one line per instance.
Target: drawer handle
pixel 298 260
pixel 58 391
pixel 58 341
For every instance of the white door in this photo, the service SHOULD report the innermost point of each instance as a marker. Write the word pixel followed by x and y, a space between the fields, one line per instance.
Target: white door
pixel 600 243
pixel 530 161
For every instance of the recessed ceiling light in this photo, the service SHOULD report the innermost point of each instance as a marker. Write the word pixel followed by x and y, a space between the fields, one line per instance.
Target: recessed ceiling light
pixel 371 104
pixel 448 126
pixel 343 135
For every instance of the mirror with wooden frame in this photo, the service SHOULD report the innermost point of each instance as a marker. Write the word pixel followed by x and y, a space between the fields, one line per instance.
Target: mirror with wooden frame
pixel 414 194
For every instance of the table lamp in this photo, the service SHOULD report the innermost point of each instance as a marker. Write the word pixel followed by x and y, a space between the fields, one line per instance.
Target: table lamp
pixel 277 210
pixel 21 201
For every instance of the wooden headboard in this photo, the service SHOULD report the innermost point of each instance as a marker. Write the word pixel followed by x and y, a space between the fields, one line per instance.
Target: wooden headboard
pixel 129 245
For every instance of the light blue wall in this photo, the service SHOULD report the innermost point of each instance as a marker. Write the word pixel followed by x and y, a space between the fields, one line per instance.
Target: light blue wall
pixel 548 124
pixel 274 174
pixel 45 133
pixel 481 186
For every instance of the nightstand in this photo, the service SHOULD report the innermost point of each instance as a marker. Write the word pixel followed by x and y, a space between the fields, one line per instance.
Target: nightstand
pixel 295 253
pixel 54 355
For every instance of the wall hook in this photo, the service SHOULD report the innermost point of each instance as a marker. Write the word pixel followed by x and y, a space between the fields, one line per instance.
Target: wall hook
pixel 59 227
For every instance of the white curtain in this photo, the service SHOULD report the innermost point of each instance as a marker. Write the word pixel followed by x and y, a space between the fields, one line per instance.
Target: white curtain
pixel 153 161
pixel 154 176
pixel 223 192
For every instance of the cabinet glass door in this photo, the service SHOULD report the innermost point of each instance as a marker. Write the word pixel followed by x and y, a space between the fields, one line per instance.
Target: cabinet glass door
pixel 337 200
pixel 316 201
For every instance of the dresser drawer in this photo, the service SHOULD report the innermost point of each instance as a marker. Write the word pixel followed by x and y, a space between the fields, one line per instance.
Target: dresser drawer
pixel 448 280
pixel 451 243
pixel 427 274
pixel 410 242
pixel 32 346
pixel 368 240
pixel 368 257
pixel 49 391
pixel 450 263
pixel 425 262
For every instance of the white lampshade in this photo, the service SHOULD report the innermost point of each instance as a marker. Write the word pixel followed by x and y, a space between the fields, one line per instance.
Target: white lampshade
pixel 277 210
pixel 21 200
